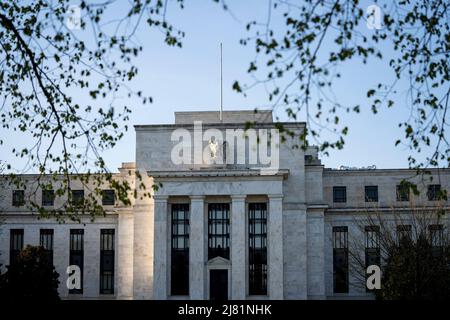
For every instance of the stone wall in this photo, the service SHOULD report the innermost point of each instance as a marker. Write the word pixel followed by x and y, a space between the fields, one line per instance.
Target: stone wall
pixel 61 246
pixel 386 180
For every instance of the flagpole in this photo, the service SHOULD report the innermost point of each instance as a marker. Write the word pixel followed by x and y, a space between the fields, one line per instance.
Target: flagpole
pixel 221 86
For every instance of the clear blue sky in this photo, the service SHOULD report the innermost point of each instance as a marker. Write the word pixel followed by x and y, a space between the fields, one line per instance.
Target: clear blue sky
pixel 187 79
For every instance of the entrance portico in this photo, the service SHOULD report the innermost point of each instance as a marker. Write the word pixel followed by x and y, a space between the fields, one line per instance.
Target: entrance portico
pixel 200 192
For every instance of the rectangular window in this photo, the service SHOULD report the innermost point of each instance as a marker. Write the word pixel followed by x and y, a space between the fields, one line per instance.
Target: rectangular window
pixel 434 192
pixel 257 238
pixel 436 235
pixel 46 241
pixel 402 193
pixel 48 198
pixel 107 261
pixel 372 237
pixel 76 254
pixel 108 197
pixel 180 249
pixel 339 194
pixel 219 230
pixel 340 259
pixel 15 244
pixel 371 193
pixel 372 254
pixel 436 239
pixel 404 232
pixel 77 198
pixel 18 198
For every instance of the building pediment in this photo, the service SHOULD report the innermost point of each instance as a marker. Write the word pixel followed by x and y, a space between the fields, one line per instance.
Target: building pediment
pixel 218 261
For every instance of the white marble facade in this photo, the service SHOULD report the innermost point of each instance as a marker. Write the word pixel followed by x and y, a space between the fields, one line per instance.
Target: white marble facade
pixel 300 214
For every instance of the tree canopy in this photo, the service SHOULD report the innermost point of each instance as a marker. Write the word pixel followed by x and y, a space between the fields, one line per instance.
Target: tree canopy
pixel 44 64
pixel 31 276
pixel 416 270
pixel 412 249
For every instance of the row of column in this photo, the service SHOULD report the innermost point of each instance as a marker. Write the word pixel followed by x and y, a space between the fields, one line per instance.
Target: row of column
pixel 197 258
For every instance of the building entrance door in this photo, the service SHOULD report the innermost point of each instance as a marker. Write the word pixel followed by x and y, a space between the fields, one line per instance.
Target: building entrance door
pixel 218 285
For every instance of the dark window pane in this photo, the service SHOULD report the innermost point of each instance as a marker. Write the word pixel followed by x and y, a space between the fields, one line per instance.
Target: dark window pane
pixel 107 261
pixel 77 197
pixel 76 254
pixel 108 197
pixel 372 251
pixel 15 244
pixel 18 198
pixel 434 192
pixel 218 230
pixel 340 259
pixel 372 236
pixel 339 194
pixel 48 197
pixel 402 193
pixel 404 232
pixel 257 237
pixel 436 232
pixel 371 193
pixel 46 241
pixel 180 249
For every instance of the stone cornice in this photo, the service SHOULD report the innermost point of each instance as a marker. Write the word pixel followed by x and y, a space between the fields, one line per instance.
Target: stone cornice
pixel 384 172
pixel 217 173
pixel 197 197
pixel 160 197
pixel 238 197
pixel 257 125
pixel 275 196
pixel 363 210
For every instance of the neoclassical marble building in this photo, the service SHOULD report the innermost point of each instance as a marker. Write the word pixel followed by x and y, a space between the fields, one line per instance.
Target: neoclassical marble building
pixel 230 219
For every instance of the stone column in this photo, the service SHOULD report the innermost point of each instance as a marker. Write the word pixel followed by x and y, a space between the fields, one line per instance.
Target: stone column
pixel 275 250
pixel 160 267
pixel 197 249
pixel 125 231
pixel 61 255
pixel 91 266
pixel 238 247
pixel 316 253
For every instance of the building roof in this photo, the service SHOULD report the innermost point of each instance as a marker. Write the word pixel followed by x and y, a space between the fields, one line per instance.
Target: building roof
pixel 239 116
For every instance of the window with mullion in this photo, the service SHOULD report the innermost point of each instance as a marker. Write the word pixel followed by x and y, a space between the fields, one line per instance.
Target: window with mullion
pixel 257 237
pixel 218 230
pixel 76 254
pixel 339 194
pixel 180 249
pixel 48 198
pixel 372 251
pixel 15 245
pixel 340 259
pixel 18 198
pixel 404 233
pixel 107 261
pixel 46 241
pixel 371 193
pixel 402 193
pixel 108 197
pixel 434 192
pixel 436 233
pixel 77 198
